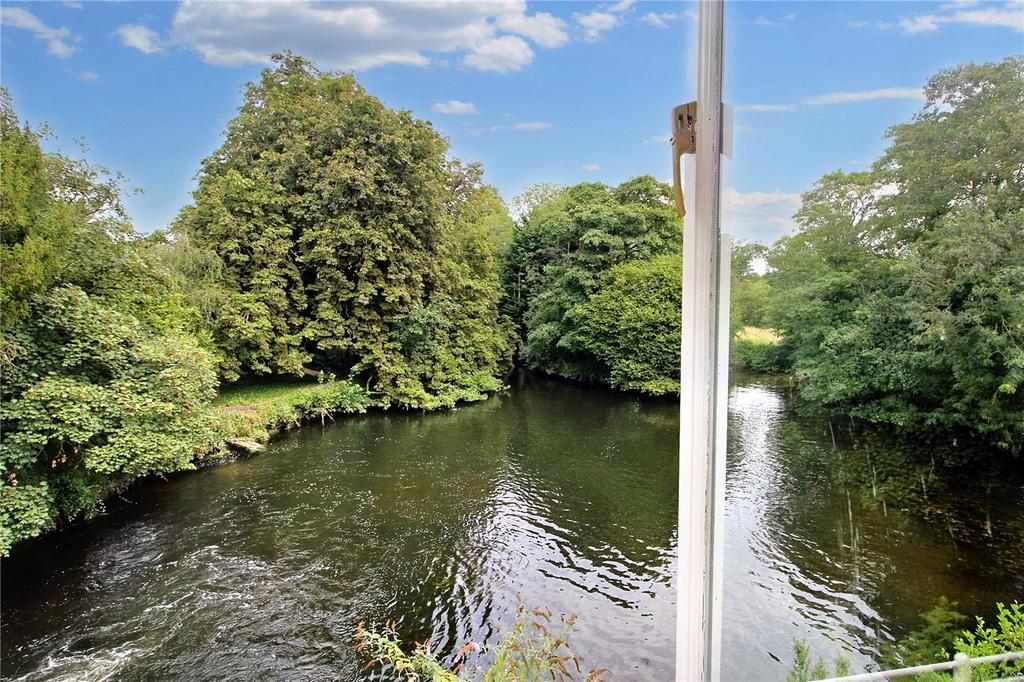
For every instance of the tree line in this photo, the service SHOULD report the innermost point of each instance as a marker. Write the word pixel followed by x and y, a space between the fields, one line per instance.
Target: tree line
pixel 899 299
pixel 331 236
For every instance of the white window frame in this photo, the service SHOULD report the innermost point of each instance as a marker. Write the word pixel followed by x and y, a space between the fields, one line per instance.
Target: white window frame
pixel 704 373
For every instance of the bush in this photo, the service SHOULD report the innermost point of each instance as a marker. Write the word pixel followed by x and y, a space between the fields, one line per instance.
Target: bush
pixel 531 650
pixel 804 670
pixel 92 399
pixel 933 642
pixel 632 324
pixel 1008 635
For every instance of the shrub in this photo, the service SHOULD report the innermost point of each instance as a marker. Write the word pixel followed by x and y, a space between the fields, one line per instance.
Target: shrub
pixel 531 650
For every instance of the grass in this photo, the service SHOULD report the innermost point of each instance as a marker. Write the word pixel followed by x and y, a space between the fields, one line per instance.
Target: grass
pixel 756 349
pixel 758 335
pixel 253 411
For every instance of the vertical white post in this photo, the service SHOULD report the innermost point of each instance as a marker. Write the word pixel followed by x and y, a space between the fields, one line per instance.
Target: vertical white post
pixel 701 440
pixel 962 673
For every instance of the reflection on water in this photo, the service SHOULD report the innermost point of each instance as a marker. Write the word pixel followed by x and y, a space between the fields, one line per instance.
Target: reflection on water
pixel 561 495
pixel 845 545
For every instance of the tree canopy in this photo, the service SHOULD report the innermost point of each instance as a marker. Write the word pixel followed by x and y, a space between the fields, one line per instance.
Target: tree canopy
pixel 350 241
pixel 900 299
pixel 92 395
pixel 561 250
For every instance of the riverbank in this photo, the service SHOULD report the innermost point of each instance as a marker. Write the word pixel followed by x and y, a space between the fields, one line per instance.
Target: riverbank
pixel 242 419
pixel 255 412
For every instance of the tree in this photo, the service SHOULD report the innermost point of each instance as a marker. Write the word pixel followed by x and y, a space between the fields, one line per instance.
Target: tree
pixel 32 231
pixel 900 299
pixel 340 223
pixel 749 291
pixel 93 396
pixel 560 251
pixel 632 323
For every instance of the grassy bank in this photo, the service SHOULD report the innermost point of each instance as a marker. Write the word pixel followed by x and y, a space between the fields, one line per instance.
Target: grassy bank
pixel 255 411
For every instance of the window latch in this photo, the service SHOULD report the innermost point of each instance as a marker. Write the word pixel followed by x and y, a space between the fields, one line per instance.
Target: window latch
pixel 684 141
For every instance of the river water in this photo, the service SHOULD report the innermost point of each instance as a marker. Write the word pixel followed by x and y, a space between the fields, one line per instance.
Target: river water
pixel 552 494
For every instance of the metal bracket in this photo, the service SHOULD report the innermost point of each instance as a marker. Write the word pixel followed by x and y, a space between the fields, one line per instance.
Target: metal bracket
pixel 684 141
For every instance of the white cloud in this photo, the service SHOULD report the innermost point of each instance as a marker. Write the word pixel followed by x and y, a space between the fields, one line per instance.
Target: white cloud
pixel 542 28
pixel 763 107
pixel 594 24
pixel 656 20
pixel 662 19
pixel 1009 15
pixel 534 125
pixel 88 76
pixel 141 38
pixel 507 53
pixel 884 25
pixel 865 96
pixel 455 107
pixel 765 21
pixel 758 216
pixel 55 38
pixel 73 5
pixel 489 35
pixel 529 126
pixel 590 167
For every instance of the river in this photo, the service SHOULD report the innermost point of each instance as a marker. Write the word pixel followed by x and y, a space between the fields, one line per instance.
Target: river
pixel 553 494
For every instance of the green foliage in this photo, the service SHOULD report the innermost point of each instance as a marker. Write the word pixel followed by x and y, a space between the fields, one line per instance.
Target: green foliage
pixel 381 645
pixel 349 241
pixel 934 642
pixel 25 510
pixel 532 649
pixel 1008 635
pixel 749 291
pixel 930 643
pixel 631 325
pixel 91 399
pixel 31 231
pixel 95 393
pixel 804 670
pixel 558 257
pixel 899 300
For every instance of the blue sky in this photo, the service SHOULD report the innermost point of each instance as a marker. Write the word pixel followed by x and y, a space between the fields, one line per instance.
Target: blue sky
pixel 538 92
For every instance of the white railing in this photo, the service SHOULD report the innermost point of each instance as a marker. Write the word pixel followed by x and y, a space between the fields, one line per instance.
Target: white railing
pixel 960 665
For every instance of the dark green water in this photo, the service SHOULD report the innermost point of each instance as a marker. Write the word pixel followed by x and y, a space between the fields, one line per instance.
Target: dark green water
pixel 560 495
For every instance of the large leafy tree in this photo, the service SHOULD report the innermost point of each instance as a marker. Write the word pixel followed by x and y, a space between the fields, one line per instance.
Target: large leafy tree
pixel 901 298
pixel 93 395
pixel 559 253
pixel 342 226
pixel 631 325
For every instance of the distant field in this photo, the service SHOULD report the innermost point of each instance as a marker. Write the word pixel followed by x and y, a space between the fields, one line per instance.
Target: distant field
pixel 759 335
